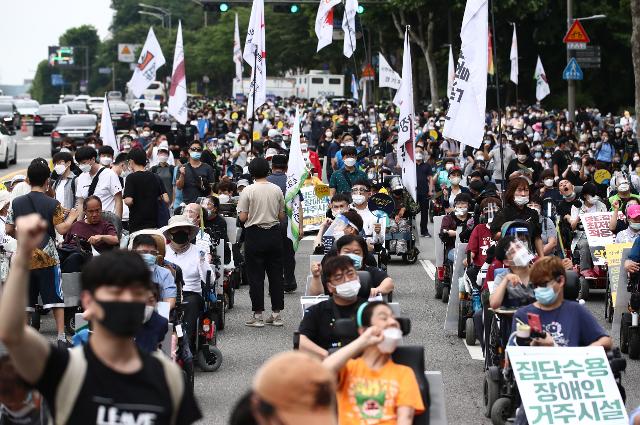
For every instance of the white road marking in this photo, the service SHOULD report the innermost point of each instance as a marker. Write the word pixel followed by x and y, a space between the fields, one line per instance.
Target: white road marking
pixel 475 351
pixel 428 267
pixel 308 238
pixel 27 138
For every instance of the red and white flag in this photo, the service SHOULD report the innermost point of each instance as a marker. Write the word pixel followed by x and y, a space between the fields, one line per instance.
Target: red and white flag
pixel 324 22
pixel 406 130
pixel 151 58
pixel 177 106
pixel 255 54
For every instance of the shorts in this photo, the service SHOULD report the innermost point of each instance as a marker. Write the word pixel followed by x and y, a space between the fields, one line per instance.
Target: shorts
pixel 46 283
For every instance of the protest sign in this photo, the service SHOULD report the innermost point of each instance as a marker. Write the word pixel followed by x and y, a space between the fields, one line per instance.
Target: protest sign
pixel 614 257
pixel 313 208
pixel 567 385
pixel 382 202
pixel 596 227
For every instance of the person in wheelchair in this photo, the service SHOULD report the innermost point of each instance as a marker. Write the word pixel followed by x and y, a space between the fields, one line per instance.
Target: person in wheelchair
pixel 154 327
pixel 181 252
pixel 147 247
pixel 215 225
pixel 513 290
pixel 355 248
pixel 459 217
pixel 92 233
pixel 366 364
pixel 343 284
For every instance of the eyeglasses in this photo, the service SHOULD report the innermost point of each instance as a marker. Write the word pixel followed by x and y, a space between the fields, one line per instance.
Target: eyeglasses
pixel 339 278
pixel 195 149
pixel 147 251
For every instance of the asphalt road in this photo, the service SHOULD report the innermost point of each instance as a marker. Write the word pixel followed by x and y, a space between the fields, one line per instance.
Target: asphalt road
pixel 29 147
pixel 245 349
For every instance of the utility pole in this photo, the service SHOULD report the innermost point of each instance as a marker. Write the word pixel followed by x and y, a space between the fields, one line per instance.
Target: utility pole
pixel 571 84
pixel 113 76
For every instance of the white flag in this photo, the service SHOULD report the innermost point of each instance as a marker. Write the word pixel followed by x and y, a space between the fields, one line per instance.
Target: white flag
pixel 387 76
pixel 237 51
pixel 542 85
pixel 513 56
pixel 255 54
pixel 296 175
pixel 451 70
pixel 324 23
pixel 406 130
pixel 107 134
pixel 364 95
pixel 349 27
pixel 468 96
pixel 151 58
pixel 354 88
pixel 177 106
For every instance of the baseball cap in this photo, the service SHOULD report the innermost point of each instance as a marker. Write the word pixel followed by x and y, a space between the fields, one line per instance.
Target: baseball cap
pixel 273 133
pixel 163 146
pixel 633 211
pixel 243 183
pixel 270 153
pixel 299 387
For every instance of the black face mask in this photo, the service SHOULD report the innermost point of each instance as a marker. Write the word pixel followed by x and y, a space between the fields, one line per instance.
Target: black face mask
pixel 180 237
pixel 122 318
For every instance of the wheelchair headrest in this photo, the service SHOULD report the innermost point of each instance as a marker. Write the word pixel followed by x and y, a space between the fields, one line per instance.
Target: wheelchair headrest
pixel 571 286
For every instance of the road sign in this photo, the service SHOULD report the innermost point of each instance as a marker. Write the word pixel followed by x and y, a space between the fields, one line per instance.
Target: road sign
pixel 127 52
pixel 572 71
pixel 576 46
pixel 368 71
pixel 105 70
pixel 576 34
pixel 588 58
pixel 57 80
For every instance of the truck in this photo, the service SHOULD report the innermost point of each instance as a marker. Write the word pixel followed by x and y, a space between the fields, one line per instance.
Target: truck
pixel 318 83
pixel 276 87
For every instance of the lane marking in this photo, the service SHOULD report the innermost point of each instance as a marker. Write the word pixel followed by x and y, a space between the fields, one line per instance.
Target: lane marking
pixel 308 238
pixel 27 138
pixel 475 351
pixel 428 267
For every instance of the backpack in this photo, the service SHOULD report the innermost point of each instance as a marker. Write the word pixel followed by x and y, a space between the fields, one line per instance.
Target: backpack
pixel 73 377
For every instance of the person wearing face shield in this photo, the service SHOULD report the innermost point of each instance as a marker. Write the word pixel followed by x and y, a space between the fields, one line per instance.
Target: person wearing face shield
pixel 511 283
pixel 84 383
pixel 366 362
pixel 343 285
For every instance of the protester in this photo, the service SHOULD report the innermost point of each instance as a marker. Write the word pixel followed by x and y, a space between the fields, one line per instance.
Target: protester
pixel 98 180
pixel 195 177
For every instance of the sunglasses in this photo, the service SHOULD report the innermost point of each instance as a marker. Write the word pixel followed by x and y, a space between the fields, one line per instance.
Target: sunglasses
pixel 195 149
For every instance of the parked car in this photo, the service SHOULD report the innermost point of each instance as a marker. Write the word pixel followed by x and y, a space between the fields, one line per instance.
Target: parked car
pixel 82 98
pixel 47 117
pixel 8 148
pixel 114 95
pixel 121 115
pixel 27 108
pixel 64 98
pixel 95 104
pixel 9 116
pixel 78 107
pixel 76 127
pixel 153 106
pixel 155 91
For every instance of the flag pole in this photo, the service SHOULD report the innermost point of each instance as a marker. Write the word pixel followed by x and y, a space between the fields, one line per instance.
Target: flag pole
pixel 497 76
pixel 253 98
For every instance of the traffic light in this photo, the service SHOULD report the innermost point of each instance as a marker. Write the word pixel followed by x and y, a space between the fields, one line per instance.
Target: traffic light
pixel 360 9
pixel 223 7
pixel 215 6
pixel 286 8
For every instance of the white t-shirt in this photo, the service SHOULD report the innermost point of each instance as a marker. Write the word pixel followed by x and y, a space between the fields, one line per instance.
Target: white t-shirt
pixel 194 268
pixel 107 188
pixel 368 221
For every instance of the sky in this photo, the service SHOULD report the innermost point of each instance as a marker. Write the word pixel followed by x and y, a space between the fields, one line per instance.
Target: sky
pixel 28 27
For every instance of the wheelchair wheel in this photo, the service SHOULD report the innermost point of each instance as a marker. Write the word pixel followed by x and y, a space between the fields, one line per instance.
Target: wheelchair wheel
pixel 625 322
pixel 445 294
pixel 209 358
pixel 501 411
pixel 469 331
pixel 634 342
pixel 584 288
pixel 232 297
pixel 439 288
pixel 219 316
pixel 461 319
pixel 491 392
pixel 411 256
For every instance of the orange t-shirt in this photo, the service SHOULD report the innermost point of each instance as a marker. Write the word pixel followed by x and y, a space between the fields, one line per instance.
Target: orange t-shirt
pixel 368 397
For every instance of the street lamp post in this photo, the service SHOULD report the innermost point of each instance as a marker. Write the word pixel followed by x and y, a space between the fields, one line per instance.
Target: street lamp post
pixel 165 13
pixel 155 15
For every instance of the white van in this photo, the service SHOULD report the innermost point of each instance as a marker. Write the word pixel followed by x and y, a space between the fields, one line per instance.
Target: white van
pixel 319 83
pixel 155 91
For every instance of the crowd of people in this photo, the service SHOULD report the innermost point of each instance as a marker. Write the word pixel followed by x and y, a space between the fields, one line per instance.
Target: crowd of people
pixel 139 223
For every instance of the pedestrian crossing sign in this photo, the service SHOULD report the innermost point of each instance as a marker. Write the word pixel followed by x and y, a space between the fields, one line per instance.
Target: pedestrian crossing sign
pixel 572 71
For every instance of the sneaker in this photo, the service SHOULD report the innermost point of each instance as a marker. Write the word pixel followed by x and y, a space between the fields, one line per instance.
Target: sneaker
pixel 274 320
pixel 255 321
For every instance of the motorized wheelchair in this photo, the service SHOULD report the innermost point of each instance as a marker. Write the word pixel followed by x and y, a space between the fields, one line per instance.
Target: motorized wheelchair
pixel 629 329
pixel 444 267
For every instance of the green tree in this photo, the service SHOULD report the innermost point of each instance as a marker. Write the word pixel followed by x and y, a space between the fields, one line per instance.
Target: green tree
pixel 86 43
pixel 41 89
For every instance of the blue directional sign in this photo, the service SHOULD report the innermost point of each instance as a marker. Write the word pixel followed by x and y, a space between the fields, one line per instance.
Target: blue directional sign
pixel 57 80
pixel 572 71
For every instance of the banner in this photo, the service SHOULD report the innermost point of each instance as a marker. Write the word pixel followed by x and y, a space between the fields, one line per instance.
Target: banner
pixel 255 54
pixel 542 86
pixel 296 175
pixel 614 261
pixel 177 105
pixel 465 119
pixel 314 209
pixel 324 22
pixel 406 131
pixel 151 58
pixel 567 385
pixel 513 57
pixel 387 76
pixel 596 228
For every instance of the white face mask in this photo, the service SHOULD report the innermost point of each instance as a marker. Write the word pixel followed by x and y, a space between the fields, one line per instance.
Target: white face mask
pixel 575 167
pixel 224 198
pixel 304 147
pixel 623 187
pixel 163 158
pixel 350 162
pixel 455 180
pixel 521 200
pixel 148 311
pixel 336 211
pixel 448 166
pixel 460 211
pixel 350 143
pixel 348 290
pixel 358 199
pixel 522 158
pixel 106 161
pixel 548 182
pixel 60 169
pixel 392 338
pixel 328 134
pixel 419 157
pixel 145 134
pixel 522 258
pixel 85 168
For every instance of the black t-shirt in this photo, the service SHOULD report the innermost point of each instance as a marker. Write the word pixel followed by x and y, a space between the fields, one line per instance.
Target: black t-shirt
pixel 196 182
pixel 318 321
pixel 145 188
pixel 141 397
pixel 560 158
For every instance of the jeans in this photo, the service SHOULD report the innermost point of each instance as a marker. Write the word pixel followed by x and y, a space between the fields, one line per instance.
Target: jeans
pixel 192 310
pixel 263 254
